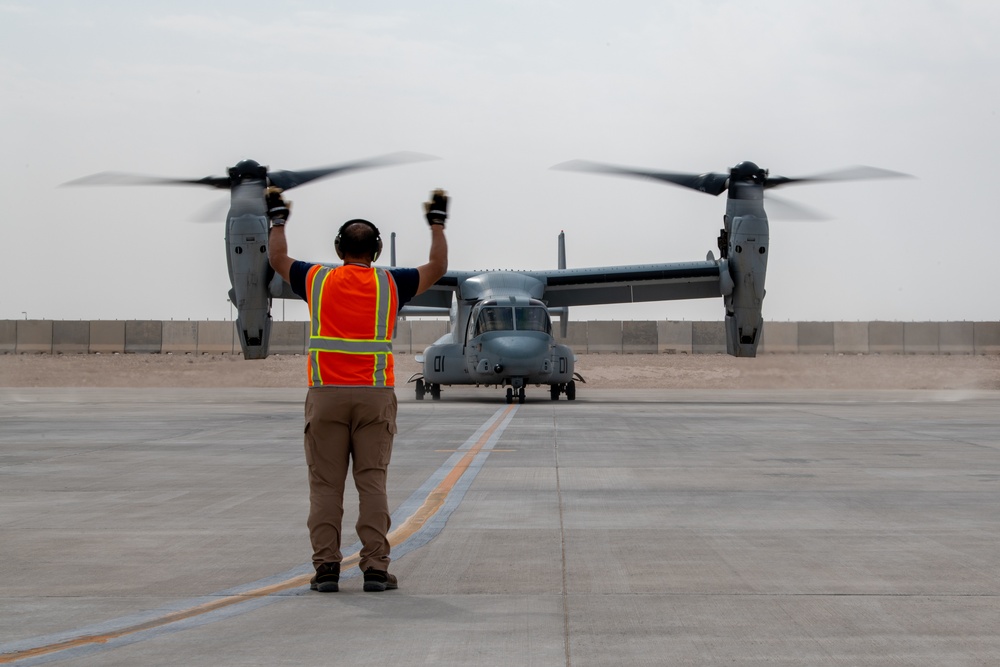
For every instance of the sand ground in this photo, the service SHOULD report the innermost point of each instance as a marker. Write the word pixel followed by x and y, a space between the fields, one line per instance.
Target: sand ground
pixel 605 371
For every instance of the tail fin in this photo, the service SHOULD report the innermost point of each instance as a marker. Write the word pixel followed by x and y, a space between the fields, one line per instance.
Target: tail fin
pixel 563 312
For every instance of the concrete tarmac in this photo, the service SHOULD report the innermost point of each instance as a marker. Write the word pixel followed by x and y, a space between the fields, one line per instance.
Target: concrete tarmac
pixel 653 527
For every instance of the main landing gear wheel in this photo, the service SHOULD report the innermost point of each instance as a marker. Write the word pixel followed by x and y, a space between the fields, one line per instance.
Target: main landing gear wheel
pixel 510 395
pixel 436 392
pixel 520 395
pixel 420 390
pixel 569 389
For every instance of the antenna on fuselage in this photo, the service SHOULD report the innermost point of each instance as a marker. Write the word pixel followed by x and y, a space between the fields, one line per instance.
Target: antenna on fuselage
pixel 392 250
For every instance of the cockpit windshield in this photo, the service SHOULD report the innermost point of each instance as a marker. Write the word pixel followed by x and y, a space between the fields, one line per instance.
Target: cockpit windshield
pixel 507 318
pixel 495 318
pixel 533 318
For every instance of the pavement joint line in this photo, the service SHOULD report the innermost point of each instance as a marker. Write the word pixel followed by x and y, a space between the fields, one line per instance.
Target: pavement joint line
pixel 562 554
pixel 431 505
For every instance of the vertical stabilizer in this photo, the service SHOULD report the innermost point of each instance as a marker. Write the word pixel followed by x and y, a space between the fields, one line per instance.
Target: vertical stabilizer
pixel 564 312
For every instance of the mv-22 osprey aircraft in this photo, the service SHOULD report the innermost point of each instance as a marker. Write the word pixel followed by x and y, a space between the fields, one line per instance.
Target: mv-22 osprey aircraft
pixel 501 328
pixel 501 332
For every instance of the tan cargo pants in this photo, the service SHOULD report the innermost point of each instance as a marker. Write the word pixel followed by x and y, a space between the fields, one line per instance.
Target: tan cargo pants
pixel 345 425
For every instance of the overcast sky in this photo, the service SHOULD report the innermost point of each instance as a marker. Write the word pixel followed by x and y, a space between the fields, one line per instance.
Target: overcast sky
pixel 501 91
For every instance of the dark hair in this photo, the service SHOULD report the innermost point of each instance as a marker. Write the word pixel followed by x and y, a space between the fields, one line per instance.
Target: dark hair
pixel 358 238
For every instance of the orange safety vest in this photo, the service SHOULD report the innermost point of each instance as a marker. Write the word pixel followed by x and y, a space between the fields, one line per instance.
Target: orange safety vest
pixel 353 312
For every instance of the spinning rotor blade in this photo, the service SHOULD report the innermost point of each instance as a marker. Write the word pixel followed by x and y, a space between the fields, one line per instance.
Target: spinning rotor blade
pixel 290 179
pixel 717 183
pixel 211 212
pixel 283 179
pixel 784 209
pixel 119 178
pixel 710 183
pixel 859 173
pixel 780 208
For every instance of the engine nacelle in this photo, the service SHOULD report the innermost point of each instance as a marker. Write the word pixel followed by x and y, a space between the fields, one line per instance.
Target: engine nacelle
pixel 748 248
pixel 247 251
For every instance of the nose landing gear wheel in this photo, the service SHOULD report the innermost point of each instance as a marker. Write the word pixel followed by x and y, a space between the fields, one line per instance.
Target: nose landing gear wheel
pixel 520 395
pixel 510 395
pixel 420 390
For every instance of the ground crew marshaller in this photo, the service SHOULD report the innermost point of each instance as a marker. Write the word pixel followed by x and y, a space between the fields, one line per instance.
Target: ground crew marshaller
pixel 350 410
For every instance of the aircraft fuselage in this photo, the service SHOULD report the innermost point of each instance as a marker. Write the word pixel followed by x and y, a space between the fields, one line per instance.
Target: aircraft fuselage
pixel 505 341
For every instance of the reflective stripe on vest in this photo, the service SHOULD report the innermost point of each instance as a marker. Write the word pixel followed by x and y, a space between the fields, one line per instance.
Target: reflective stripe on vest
pixel 356 293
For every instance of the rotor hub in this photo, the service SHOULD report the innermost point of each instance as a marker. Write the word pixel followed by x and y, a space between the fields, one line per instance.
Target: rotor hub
pixel 748 171
pixel 247 170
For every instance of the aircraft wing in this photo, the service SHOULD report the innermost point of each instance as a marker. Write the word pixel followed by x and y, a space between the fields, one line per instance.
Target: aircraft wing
pixel 629 284
pixel 584 287
pixel 279 289
pixel 437 297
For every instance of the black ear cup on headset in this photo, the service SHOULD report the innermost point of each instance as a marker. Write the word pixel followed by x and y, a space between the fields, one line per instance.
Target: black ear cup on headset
pixel 376 250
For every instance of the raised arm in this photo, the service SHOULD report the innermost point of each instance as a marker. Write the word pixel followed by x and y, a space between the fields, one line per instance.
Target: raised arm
pixel 436 212
pixel 277 244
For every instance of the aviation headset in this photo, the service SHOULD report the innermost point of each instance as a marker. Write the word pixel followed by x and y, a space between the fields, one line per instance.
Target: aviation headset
pixel 376 247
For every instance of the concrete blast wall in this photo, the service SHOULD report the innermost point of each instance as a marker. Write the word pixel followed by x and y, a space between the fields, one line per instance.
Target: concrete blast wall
pixel 594 337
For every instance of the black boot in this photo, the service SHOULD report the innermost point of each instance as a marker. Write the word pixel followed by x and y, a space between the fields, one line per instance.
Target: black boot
pixel 379 580
pixel 327 579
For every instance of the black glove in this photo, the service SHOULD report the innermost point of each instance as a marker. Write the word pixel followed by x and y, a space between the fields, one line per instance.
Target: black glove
pixel 278 209
pixel 436 210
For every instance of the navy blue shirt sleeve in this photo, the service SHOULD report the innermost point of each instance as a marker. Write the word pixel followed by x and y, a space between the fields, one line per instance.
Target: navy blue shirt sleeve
pixel 407 281
pixel 297 277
